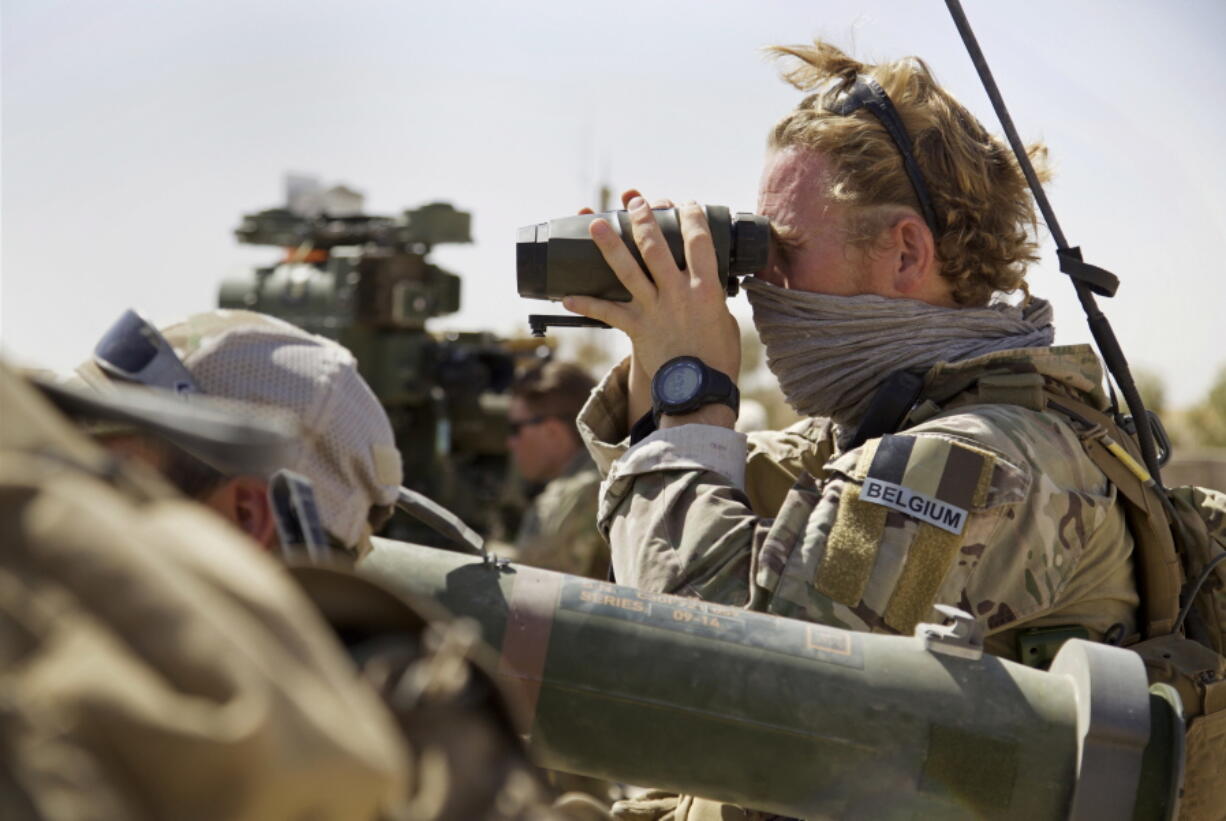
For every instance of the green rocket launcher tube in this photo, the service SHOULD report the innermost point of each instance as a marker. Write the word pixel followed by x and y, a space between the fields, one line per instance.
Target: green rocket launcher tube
pixel 802 719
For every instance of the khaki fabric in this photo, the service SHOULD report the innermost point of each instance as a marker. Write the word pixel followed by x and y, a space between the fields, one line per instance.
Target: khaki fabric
pixel 603 422
pixel 1043 540
pixel 1195 665
pixel 1204 790
pixel 776 459
pixel 154 664
pixel 558 531
pixel 1198 674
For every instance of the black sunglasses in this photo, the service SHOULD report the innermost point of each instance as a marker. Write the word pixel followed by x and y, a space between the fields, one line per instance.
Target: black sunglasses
pixel 132 350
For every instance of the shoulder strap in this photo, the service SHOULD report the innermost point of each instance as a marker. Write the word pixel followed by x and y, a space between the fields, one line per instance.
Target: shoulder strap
pixel 1158 569
pixel 1116 454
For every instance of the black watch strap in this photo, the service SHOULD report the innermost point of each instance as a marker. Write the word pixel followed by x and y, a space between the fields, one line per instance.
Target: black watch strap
pixel 717 388
pixel 643 428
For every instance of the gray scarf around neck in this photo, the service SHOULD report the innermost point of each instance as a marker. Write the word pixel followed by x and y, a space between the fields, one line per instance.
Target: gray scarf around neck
pixel 830 353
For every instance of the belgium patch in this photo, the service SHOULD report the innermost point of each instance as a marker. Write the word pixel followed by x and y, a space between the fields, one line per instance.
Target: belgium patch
pixel 897 532
pixel 934 480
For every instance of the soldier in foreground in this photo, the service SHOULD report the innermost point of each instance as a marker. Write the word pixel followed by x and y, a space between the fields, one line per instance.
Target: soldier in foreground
pixel 558 531
pixel 896 219
pixel 155 666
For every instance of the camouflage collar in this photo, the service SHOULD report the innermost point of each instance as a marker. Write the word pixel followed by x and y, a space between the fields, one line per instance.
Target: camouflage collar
pixel 1073 369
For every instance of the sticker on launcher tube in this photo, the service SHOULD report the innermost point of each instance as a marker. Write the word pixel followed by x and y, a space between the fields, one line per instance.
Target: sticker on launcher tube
pixel 653 609
pixel 713 621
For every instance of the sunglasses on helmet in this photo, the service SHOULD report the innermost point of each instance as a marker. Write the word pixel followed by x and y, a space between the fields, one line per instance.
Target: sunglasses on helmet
pixel 132 350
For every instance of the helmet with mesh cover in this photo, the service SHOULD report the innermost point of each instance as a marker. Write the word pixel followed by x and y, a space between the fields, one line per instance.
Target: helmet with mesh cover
pixel 347 448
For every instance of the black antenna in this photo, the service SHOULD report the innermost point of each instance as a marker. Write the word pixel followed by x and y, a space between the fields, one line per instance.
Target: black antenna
pixel 1087 279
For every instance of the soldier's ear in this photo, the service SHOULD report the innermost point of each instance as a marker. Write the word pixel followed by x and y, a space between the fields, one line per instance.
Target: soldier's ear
pixel 244 501
pixel 912 255
pixel 913 252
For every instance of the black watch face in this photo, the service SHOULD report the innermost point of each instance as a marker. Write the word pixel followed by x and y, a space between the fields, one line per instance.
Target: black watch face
pixel 680 383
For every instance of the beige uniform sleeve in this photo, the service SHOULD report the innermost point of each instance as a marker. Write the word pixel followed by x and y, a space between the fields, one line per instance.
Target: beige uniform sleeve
pixel 773 462
pixel 676 525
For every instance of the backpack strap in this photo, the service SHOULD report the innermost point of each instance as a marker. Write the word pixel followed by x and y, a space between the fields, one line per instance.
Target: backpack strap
pixel 1158 569
pixel 1116 454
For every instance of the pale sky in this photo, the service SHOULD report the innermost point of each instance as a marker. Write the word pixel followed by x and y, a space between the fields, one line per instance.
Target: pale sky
pixel 136 133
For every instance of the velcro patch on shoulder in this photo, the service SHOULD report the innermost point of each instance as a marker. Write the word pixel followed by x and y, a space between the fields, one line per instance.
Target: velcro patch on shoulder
pixel 928 560
pixel 870 541
pixel 851 548
pixel 900 520
pixel 933 479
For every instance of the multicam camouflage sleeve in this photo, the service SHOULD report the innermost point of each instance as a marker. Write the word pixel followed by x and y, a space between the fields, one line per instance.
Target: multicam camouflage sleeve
pixel 994 509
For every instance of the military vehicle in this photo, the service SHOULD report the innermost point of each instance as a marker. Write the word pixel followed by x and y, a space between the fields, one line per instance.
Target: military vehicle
pixel 366 281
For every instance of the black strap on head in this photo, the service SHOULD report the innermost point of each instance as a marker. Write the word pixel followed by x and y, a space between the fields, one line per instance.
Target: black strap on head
pixel 868 93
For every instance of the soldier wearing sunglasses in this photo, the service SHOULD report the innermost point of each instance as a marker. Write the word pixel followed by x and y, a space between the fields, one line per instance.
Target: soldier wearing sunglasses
pixel 559 529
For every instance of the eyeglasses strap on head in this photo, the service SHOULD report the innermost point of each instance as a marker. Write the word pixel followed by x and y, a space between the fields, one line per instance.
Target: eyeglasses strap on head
pixel 867 93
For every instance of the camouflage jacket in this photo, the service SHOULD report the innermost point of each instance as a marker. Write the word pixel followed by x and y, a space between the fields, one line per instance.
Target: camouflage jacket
pixel 982 504
pixel 154 662
pixel 559 528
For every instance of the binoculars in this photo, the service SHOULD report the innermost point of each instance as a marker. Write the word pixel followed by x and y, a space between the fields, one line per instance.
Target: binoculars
pixel 558 258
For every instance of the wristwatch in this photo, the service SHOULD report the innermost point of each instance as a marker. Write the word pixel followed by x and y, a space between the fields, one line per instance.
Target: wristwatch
pixel 686 383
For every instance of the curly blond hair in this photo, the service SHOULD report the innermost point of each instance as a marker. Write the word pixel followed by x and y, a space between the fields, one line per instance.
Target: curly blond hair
pixel 985 213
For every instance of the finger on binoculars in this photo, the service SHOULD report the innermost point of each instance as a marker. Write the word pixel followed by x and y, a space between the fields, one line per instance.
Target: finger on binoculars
pixel 619 258
pixel 699 247
pixel 615 314
pixel 652 245
pixel 631 193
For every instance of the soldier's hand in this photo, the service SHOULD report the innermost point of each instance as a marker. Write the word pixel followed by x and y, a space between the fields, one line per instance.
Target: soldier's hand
pixel 676 312
pixel 639 392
